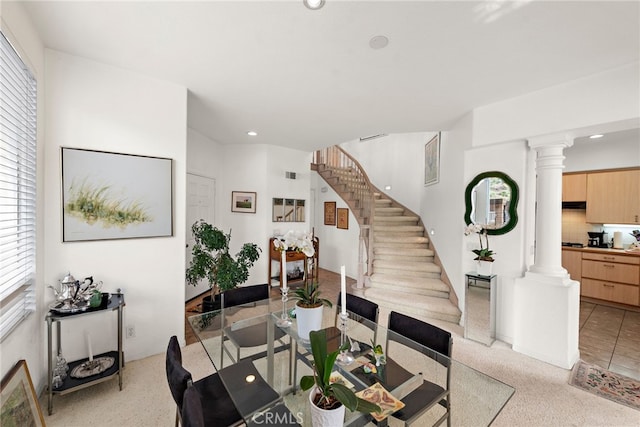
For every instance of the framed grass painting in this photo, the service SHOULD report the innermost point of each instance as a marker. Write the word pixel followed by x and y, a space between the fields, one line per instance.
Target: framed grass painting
pixel 115 196
pixel 20 406
pixel 432 161
pixel 243 201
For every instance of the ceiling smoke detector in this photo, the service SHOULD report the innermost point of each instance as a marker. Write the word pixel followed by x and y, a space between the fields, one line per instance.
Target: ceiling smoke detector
pixel 313 4
pixel 378 42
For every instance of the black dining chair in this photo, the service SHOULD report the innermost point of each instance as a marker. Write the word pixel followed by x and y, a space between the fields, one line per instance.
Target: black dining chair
pixel 220 409
pixel 192 414
pixel 435 343
pixel 240 334
pixel 360 308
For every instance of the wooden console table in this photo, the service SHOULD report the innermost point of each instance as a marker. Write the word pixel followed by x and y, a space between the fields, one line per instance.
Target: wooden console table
pixel 293 256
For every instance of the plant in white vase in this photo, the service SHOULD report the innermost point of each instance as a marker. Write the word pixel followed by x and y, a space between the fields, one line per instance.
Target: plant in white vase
pixel 484 255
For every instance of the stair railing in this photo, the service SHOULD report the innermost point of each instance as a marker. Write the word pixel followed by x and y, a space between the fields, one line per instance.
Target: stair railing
pixel 351 173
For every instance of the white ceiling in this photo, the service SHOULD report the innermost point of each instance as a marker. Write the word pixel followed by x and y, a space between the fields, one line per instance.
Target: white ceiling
pixel 308 79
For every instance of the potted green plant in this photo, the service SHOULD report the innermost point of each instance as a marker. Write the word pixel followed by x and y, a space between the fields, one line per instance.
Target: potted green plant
pixel 212 261
pixel 484 256
pixel 308 302
pixel 327 399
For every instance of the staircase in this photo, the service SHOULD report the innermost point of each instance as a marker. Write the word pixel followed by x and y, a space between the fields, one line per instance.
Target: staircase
pixel 402 273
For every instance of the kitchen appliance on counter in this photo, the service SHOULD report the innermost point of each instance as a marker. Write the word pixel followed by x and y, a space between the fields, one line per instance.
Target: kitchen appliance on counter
pixel 573 244
pixel 597 239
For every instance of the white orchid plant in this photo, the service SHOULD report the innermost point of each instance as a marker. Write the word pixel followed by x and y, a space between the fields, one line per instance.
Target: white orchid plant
pixel 482 254
pixel 308 295
pixel 300 241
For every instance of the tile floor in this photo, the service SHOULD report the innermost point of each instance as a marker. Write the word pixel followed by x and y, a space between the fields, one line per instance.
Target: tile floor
pixel 610 337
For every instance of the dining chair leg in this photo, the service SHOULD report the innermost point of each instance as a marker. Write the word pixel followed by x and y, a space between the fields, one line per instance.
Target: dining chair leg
pixel 177 417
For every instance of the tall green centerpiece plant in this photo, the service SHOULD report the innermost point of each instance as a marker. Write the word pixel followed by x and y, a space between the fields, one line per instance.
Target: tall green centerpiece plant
pixel 212 261
pixel 328 395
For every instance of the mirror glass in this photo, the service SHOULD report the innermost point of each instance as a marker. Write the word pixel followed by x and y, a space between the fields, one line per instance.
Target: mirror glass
pixel 491 199
pixel 288 210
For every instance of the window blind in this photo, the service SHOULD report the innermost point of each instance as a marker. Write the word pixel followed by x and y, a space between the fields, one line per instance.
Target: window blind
pixel 17 189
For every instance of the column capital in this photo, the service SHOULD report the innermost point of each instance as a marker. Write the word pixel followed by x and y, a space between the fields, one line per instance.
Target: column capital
pixel 557 140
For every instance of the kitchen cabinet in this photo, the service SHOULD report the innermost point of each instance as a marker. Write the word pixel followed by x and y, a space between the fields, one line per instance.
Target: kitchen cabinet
pixel 611 277
pixel 574 187
pixel 613 197
pixel 572 262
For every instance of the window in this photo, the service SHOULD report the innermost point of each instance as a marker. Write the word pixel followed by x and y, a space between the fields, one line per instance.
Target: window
pixel 17 189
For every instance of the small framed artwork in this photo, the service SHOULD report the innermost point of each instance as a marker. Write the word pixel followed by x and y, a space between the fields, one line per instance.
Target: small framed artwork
pixel 20 406
pixel 343 218
pixel 329 213
pixel 115 196
pixel 243 201
pixel 432 161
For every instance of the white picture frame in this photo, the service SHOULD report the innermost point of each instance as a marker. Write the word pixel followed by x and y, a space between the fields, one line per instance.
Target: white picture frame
pixel 432 161
pixel 109 195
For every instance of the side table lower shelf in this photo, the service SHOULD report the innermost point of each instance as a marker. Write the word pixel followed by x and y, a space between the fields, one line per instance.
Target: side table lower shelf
pixel 72 384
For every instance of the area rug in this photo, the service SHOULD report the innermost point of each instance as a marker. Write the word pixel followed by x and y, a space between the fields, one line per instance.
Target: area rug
pixel 607 384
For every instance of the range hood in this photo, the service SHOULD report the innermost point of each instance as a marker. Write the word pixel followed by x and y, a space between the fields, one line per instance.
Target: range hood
pixel 574 205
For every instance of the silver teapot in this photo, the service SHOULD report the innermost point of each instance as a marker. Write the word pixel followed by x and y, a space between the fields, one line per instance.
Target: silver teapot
pixel 72 291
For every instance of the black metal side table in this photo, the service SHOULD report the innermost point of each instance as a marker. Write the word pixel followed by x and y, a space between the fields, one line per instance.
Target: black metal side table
pixel 70 384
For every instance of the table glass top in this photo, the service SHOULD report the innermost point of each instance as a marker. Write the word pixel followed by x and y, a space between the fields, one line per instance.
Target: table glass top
pixel 475 398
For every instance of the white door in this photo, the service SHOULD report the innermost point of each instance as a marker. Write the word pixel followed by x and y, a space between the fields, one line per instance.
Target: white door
pixel 200 205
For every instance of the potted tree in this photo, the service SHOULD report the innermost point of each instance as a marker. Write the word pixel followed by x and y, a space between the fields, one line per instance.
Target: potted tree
pixel 212 261
pixel 329 400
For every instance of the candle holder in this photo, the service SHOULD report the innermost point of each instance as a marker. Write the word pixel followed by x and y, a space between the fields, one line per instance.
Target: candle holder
pixel 284 321
pixel 345 357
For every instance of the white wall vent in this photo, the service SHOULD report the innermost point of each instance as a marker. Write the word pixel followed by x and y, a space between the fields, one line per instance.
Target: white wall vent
pixel 290 175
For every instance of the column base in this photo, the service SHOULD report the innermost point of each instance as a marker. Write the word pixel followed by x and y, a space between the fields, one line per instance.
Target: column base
pixel 547 318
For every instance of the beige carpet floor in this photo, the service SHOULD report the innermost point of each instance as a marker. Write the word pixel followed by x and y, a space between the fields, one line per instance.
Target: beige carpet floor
pixel 543 396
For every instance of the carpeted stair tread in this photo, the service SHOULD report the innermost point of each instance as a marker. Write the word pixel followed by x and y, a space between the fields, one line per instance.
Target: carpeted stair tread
pixel 388 211
pixel 421 251
pixel 413 266
pixel 397 219
pixel 425 286
pixel 398 239
pixel 415 305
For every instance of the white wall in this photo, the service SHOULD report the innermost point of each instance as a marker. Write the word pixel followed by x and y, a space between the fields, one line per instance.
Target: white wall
pixel 95 106
pixel 259 168
pixel 510 249
pixel 26 341
pixel 337 246
pixel 603 98
pixel 587 156
pixel 396 160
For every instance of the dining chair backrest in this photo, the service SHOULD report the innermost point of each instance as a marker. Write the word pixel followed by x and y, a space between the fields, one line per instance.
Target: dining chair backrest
pixel 245 295
pixel 192 414
pixel 360 306
pixel 418 334
pixel 177 376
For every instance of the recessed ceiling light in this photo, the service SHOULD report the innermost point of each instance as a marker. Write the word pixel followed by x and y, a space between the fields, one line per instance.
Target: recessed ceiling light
pixel 313 4
pixel 252 133
pixel 596 136
pixel 378 42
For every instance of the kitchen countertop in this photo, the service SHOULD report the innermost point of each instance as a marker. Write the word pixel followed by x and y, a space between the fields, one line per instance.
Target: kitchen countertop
pixel 602 250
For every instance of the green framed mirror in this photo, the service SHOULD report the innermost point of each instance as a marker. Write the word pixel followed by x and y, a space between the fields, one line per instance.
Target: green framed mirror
pixel 491 199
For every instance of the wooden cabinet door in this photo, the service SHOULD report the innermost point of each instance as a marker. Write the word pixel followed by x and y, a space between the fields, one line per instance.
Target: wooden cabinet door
pixel 574 187
pixel 613 197
pixel 572 262
pixel 611 271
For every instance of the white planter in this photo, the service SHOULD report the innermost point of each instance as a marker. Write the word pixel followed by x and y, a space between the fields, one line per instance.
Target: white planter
pixel 484 268
pixel 308 319
pixel 323 417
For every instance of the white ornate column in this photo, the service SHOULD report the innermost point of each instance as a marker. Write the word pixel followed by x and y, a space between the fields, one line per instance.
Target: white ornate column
pixel 547 301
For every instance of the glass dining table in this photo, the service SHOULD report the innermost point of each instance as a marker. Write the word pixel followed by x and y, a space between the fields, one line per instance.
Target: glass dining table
pixel 282 357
